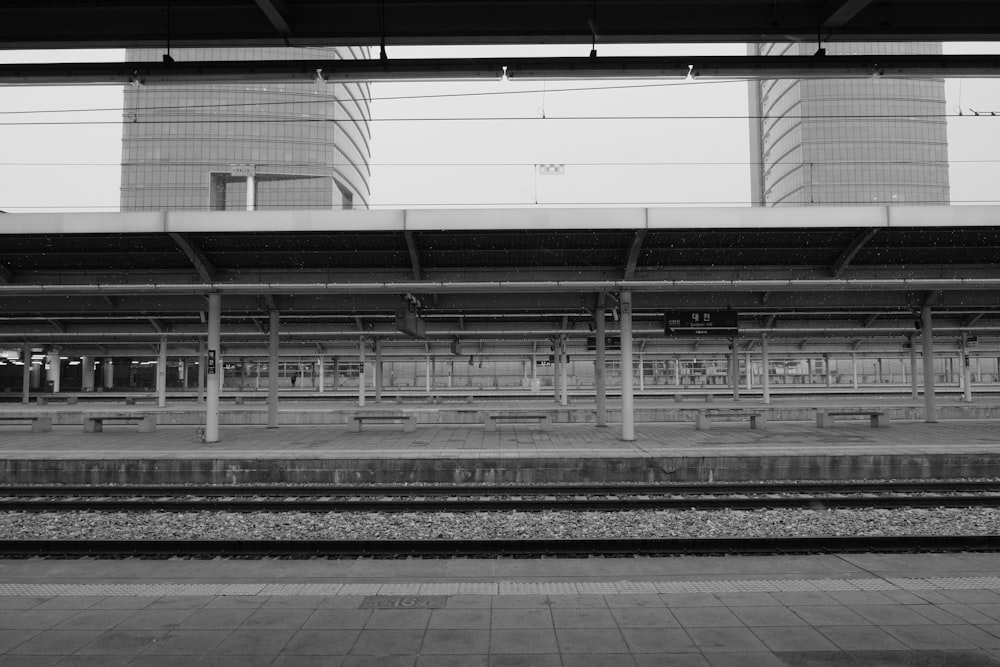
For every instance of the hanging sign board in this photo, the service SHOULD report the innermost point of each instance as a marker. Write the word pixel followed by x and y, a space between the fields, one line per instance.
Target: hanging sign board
pixel 701 323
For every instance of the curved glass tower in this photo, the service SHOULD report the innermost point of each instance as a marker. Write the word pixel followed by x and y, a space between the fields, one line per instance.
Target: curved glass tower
pixel 304 146
pixel 848 141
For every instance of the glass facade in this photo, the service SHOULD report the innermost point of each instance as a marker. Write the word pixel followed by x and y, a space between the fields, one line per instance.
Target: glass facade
pixel 849 141
pixel 191 146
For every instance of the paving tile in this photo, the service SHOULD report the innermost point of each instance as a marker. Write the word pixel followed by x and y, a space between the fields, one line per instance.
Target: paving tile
pixel 971 596
pixel 462 601
pixel 388 642
pixel 521 618
pixel 237 602
pixel 591 640
pixel 639 600
pixel 11 638
pixel 20 602
pixel 583 618
pixel 672 659
pixel 187 642
pixel 321 642
pixel 747 599
pixel 399 619
pixel 456 641
pixel 577 601
pixel 828 615
pixel 523 641
pixel 28 660
pixel 658 640
pixel 337 619
pixel 991 610
pixel 70 602
pixel 453 661
pixel 987 637
pixel 152 619
pixel 308 661
pixel 855 598
pixel 803 598
pixel 122 642
pixel 964 612
pixel 726 639
pixel 756 659
pixel 690 600
pixel 459 618
pixel 56 642
pixel 928 637
pixel 216 619
pixel 191 602
pixel 766 616
pixel 794 638
pixel 34 620
pixel 379 661
pixel 878 614
pixel 253 642
pixel 706 617
pixel 273 619
pixel 526 660
pixel 644 617
pixel 95 661
pixel 341 602
pixel 123 602
pixel 861 638
pixel 598 660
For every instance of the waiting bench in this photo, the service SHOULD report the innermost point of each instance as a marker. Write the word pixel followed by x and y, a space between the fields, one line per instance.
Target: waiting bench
pixel 703 418
pixel 409 420
pixel 39 423
pixel 93 422
pixel 824 418
pixel 492 419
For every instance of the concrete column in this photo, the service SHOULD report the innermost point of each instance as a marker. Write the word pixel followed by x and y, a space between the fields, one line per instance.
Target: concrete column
pixel 87 373
pixel 765 376
pixel 966 369
pixel 26 373
pixel 749 372
pixel 251 193
pixel 161 375
pixel 829 374
pixel 273 367
pixel 322 373
pixel 628 414
pixel 854 368
pixel 427 373
pixel 734 369
pixel 556 364
pixel 927 338
pixel 914 385
pixel 55 366
pixel 677 372
pixel 600 380
pixel 809 365
pixel 361 372
pixel 378 371
pixel 215 368
pixel 642 372
pixel 563 373
pixel 108 372
pixel 336 373
pixel 202 364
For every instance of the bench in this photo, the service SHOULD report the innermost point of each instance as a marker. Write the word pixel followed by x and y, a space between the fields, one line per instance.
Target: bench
pixel 45 400
pixel 409 421
pixel 491 420
pixel 824 418
pixel 93 422
pixel 679 396
pixel 39 423
pixel 703 418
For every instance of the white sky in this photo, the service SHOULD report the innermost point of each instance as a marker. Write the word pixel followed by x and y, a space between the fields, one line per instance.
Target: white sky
pixel 479 163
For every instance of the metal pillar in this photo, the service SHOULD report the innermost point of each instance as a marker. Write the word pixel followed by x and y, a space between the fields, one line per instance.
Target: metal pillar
pixel 87 364
pixel 966 369
pixel 556 364
pixel 765 375
pixel 273 367
pixel 202 363
pixel 734 369
pixel 336 373
pixel 161 375
pixel 829 375
pixel 600 381
pixel 251 192
pixel 215 368
pixel 628 414
pixel 361 372
pixel 854 368
pixel 26 373
pixel 55 366
pixel 642 372
pixel 378 371
pixel 108 373
pixel 428 361
pixel 927 335
pixel 914 385
pixel 322 373
pixel 563 373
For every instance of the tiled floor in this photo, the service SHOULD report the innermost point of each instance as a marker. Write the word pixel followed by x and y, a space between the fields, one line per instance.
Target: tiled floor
pixel 822 610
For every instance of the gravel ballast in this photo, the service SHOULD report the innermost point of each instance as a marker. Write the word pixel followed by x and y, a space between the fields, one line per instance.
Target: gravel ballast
pixel 496 525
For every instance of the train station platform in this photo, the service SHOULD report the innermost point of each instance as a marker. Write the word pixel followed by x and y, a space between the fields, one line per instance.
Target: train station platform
pixel 319 443
pixel 851 609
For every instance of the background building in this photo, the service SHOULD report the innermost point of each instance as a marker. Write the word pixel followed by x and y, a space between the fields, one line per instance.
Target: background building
pixel 193 146
pixel 825 141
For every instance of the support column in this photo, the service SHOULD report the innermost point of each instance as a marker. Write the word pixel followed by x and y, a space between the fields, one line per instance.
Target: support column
pixel 966 369
pixel 428 361
pixel 361 372
pixel 87 373
pixel 251 193
pixel 26 373
pixel 927 336
pixel 829 375
pixel 378 371
pixel 556 364
pixel 214 368
pixel 202 363
pixel 55 366
pixel 336 373
pixel 642 372
pixel 600 381
pixel 322 373
pixel 765 376
pixel 273 367
pixel 161 375
pixel 914 384
pixel 108 373
pixel 854 369
pixel 749 365
pixel 734 369
pixel 628 414
pixel 563 373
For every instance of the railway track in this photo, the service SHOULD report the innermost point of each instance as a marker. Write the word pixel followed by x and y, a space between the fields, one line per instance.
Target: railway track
pixel 603 498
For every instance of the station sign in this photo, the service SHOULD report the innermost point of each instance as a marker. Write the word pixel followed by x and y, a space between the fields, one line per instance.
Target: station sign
pixel 610 343
pixel 701 323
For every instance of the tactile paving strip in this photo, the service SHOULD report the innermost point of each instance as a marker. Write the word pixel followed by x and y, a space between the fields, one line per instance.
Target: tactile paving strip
pixel 508 587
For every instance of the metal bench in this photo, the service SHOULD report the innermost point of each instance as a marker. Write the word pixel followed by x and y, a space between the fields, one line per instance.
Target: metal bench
pixel 93 422
pixel 703 418
pixel 679 396
pixel 39 423
pixel 491 419
pixel 409 421
pixel 824 418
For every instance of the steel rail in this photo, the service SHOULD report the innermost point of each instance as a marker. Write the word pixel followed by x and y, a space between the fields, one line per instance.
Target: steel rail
pixel 494 548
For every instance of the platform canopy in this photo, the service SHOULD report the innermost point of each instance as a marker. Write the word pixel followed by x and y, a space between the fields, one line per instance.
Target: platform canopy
pixel 844 273
pixel 30 24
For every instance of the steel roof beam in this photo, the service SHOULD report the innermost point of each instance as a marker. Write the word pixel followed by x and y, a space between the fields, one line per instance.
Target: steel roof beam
pixel 411 246
pixel 202 264
pixel 6 275
pixel 846 257
pixel 838 13
pixel 633 253
pixel 277 13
